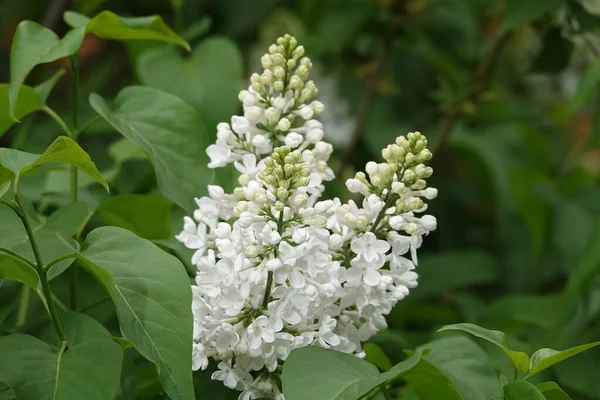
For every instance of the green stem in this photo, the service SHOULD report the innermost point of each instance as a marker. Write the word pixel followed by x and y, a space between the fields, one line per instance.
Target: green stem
pixel 59 259
pixel 177 15
pixel 74 171
pixel 385 392
pixel 267 294
pixel 58 119
pixel 265 302
pixel 17 256
pixel 89 123
pixel 23 306
pixel 42 275
pixel 387 205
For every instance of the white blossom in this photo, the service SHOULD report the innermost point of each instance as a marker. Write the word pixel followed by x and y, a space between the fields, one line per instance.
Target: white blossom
pixel 278 267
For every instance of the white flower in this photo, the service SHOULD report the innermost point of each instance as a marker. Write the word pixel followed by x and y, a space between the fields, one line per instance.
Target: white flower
pixel 199 359
pixel 260 331
pixel 228 375
pixel 219 154
pixel 326 336
pixel 369 247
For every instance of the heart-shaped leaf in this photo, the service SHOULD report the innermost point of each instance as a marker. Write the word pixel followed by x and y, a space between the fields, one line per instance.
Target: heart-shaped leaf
pixel 209 79
pixel 32 45
pixel 152 295
pixel 545 358
pixel 521 390
pixel 28 101
pixel 63 149
pixel 108 25
pixel 552 391
pixel 170 131
pixel 89 369
pixel 518 358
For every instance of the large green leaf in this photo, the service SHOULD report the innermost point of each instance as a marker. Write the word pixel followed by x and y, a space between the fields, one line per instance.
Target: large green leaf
pixel 63 149
pixel 32 45
pixel 89 369
pixel 465 364
pixel 145 215
pixel 170 131
pixel 152 295
pixel 521 390
pixel 518 358
pixel 376 356
pixel 545 358
pixel 552 391
pixel 316 373
pixel 28 101
pixel 520 12
pixel 108 25
pixel 209 79
pixel 430 382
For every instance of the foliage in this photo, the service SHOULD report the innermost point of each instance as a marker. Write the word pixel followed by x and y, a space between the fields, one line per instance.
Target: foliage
pixel 97 171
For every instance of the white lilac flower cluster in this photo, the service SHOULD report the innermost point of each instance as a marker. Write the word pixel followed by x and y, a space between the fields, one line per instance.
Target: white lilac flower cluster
pixel 280 269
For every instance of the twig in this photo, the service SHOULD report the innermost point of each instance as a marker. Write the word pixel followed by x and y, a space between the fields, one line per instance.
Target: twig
pixel 369 94
pixel 53 13
pixel 480 77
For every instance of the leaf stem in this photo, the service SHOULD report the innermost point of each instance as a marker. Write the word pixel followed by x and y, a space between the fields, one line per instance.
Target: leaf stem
pixel 74 171
pixel 18 256
pixel 23 306
pixel 88 123
pixel 47 293
pixel 385 392
pixel 59 259
pixel 58 120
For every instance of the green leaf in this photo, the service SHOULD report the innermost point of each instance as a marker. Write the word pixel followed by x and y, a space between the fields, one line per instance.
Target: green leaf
pixel 520 12
pixel 89 369
pixel 545 358
pixel 170 131
pixel 466 366
pixel 152 295
pixel 108 25
pixel 32 45
pixel 430 382
pixel 63 149
pixel 521 390
pixel 552 391
pixel 376 356
pixel 209 79
pixel 6 393
pixel 145 215
pixel 45 88
pixel 28 101
pixel 316 373
pixel 518 358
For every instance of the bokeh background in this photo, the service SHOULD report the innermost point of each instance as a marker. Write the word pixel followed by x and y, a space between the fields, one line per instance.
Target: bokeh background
pixel 506 92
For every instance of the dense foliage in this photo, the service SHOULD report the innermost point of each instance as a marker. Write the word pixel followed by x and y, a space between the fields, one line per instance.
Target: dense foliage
pixel 104 130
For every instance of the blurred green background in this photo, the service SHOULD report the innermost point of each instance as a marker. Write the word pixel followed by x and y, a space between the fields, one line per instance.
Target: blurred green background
pixel 506 92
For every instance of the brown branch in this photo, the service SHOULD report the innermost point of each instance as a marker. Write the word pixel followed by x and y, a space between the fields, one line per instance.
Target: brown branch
pixel 368 96
pixel 478 82
pixel 53 13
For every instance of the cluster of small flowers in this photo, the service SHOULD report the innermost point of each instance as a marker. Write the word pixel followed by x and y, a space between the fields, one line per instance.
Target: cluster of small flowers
pixel 276 111
pixel 277 268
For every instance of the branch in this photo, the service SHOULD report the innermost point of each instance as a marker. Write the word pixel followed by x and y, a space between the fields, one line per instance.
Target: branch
pixel 368 96
pixel 53 13
pixel 478 81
